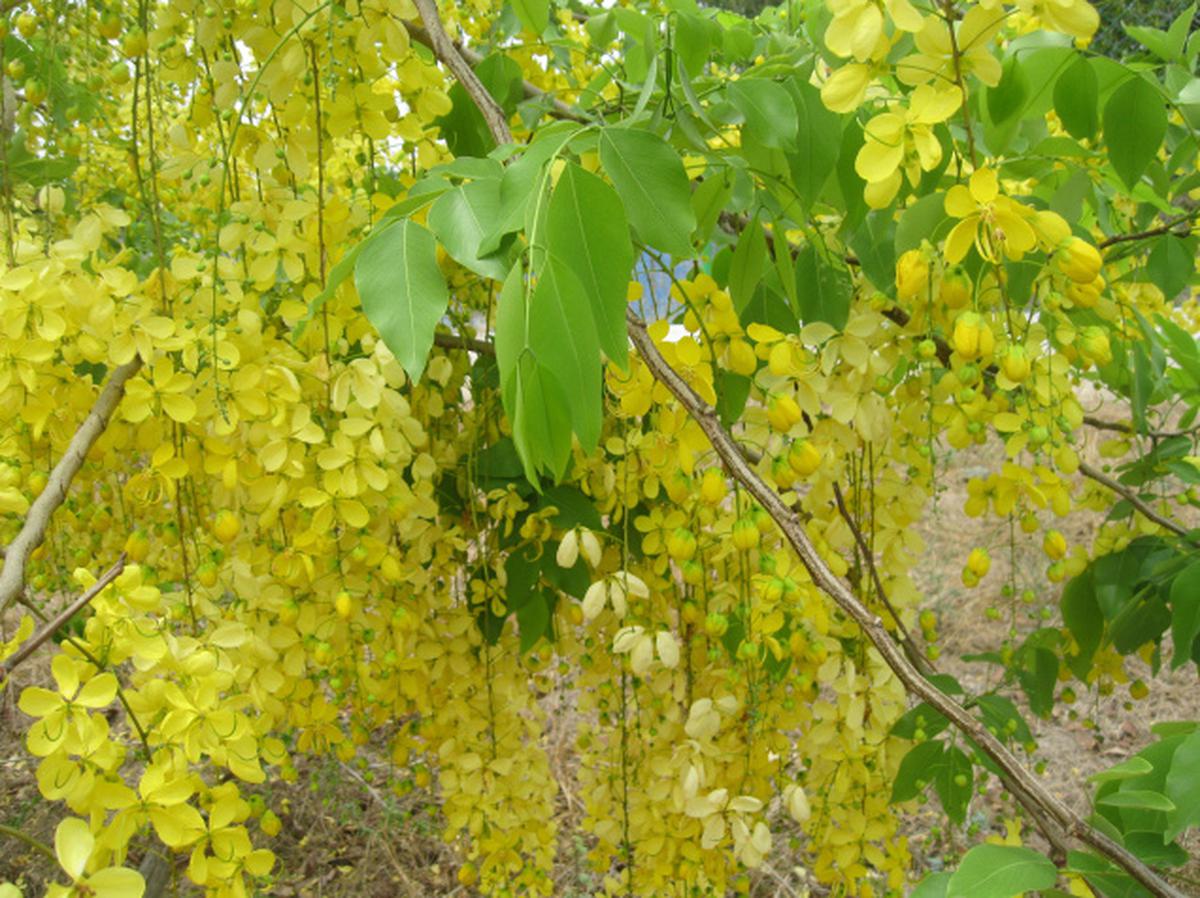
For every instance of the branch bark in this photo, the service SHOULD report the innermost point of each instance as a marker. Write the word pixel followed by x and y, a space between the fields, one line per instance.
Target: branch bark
pixel 8 665
pixel 16 556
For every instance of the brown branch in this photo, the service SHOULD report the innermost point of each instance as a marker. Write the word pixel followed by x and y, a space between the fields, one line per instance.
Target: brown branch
pixel 1122 427
pixel 1021 782
pixel 1133 499
pixel 1160 231
pixel 445 50
pixel 558 109
pixel 472 344
pixel 38 639
pixel 33 531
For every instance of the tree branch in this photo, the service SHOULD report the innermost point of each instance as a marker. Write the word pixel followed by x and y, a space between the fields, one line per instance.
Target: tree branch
pixel 1122 427
pixel 1022 783
pixel 558 108
pixel 1167 228
pixel 445 50
pixel 38 639
pixel 16 556
pixel 1133 499
pixel 472 344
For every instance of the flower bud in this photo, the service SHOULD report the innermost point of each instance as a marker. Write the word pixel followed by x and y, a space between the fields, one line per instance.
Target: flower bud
pixel 1054 544
pixel 1015 364
pixel 978 562
pixel 712 486
pixel 912 275
pixel 804 457
pixel 1078 260
pixel 1093 345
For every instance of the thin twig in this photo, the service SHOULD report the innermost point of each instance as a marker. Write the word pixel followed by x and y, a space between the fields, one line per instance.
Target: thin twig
pixel 910 647
pixel 1122 427
pixel 15 833
pixel 1160 231
pixel 1133 499
pixel 35 642
pixel 12 575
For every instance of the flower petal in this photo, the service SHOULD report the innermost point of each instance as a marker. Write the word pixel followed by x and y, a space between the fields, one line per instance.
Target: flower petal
pixel 73 843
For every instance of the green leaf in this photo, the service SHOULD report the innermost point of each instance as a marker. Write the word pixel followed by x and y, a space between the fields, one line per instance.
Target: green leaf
pixel 521 576
pixel 824 291
pixel 709 199
pixel 511 332
pixel 1185 613
pixel 1127 769
pixel 1183 788
pixel 1172 263
pixel 462 218
pixel 1038 677
pixel 463 127
pixel 1143 799
pixel 651 181
pixel 932 886
pixel 523 177
pixel 693 41
pixel 1109 879
pixel 917 770
pixel 533 620
pixel 1005 99
pixel 563 338
pixel 573 508
pixel 817 145
pixel 734 390
pixel 1135 122
pixel 767 109
pixel 403 292
pixel 919 222
pixel 1077 99
pixel 1000 871
pixel 747 265
pixel 534 14
pixel 541 419
pixel 589 235
pixel 953 796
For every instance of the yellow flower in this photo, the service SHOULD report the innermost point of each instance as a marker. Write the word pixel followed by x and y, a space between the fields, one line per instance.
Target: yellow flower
pixel 903 138
pixel 1074 17
pixel 857 26
pixel 935 52
pixel 994 223
pixel 73 844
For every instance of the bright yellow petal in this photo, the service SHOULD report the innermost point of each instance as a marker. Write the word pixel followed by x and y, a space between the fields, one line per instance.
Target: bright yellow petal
pixel 984 186
pixel 959 202
pixel 959 241
pixel 73 843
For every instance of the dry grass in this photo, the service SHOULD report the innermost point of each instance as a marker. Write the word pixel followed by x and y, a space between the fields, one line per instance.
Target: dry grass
pixel 346 833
